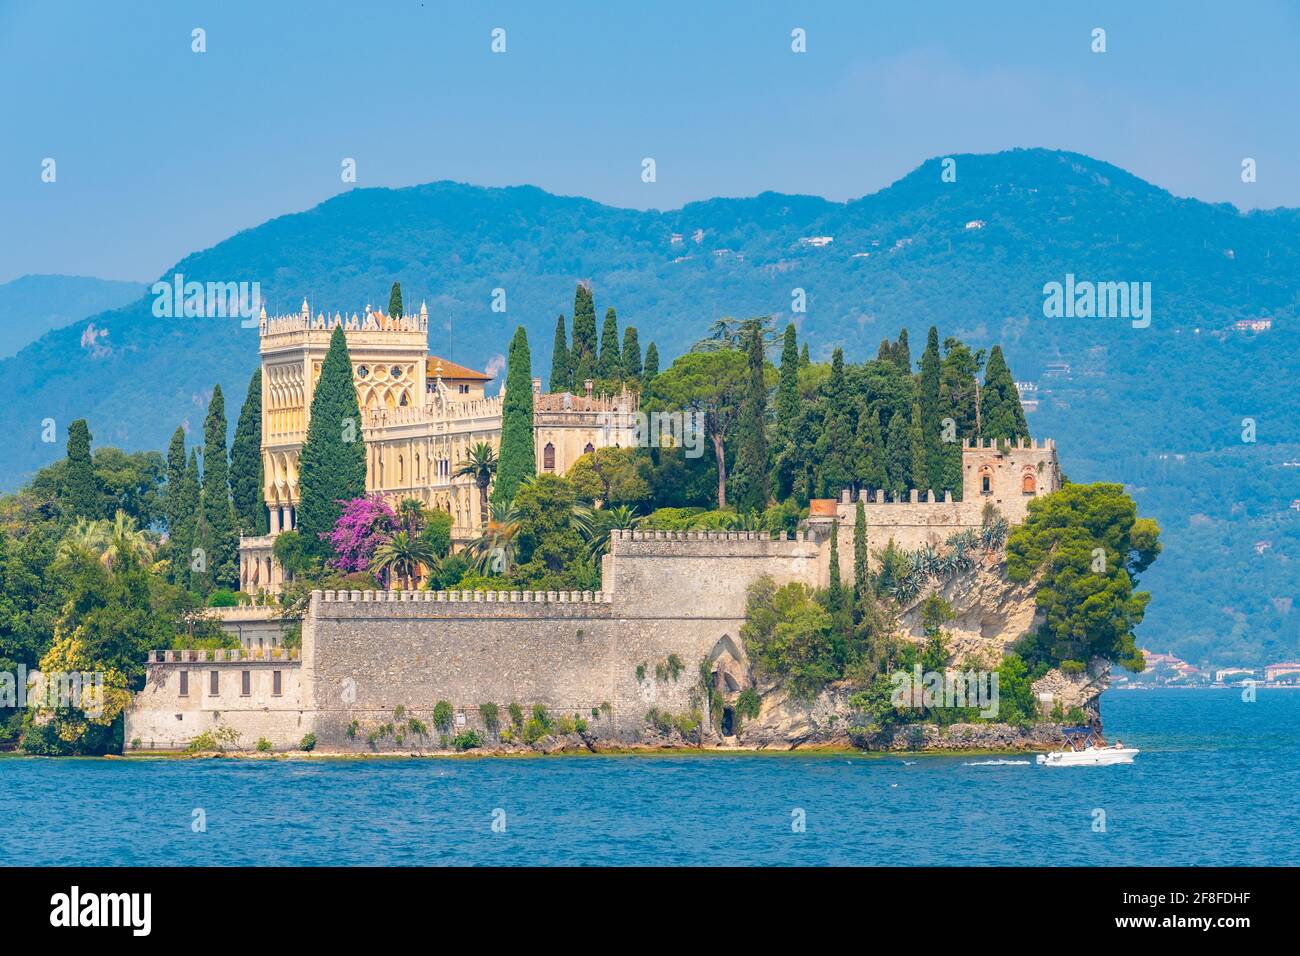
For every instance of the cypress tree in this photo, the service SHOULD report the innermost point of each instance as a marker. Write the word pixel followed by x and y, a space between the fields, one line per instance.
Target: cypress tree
pixel 804 359
pixel 898 453
pixel 246 462
pixel 517 459
pixel 835 593
pixel 861 581
pixel 583 357
pixel 903 352
pixel 870 466
pixel 651 364
pixel 750 474
pixel 395 301
pixel 631 354
pixel 611 359
pixel 185 531
pixel 787 412
pixel 958 388
pixel 332 467
pixel 931 413
pixel 1001 416
pixel 175 475
pixel 835 446
pixel 918 469
pixel 218 515
pixel 561 374
pixel 81 492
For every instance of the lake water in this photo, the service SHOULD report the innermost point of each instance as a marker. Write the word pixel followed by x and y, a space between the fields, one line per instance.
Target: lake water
pixel 1216 783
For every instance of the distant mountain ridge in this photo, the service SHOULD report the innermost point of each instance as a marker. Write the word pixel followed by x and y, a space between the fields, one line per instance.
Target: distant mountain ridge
pixel 31 305
pixel 1160 408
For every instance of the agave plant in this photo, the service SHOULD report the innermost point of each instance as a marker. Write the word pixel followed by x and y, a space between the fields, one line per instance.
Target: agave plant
pixel 994 534
pixel 927 560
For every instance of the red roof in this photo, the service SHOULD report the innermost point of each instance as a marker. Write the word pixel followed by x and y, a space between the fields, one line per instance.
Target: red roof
pixel 454 372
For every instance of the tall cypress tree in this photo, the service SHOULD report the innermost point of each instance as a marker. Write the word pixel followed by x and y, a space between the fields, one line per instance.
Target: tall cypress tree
pixel 332 467
pixel 750 474
pixel 185 530
pixel 583 356
pixel 218 514
pixel 81 492
pixel 959 387
pixel 835 593
pixel 928 394
pixel 1001 416
pixel 918 467
pixel 631 354
pixel 870 466
pixel 395 301
pixel 651 364
pixel 175 475
pixel 518 458
pixel 561 374
pixel 787 412
pixel 861 580
pixel 898 452
pixel 804 359
pixel 246 462
pixel 835 445
pixel 903 352
pixel 611 359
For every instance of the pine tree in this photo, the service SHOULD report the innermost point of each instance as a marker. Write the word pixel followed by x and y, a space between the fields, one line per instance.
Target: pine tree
pixel 651 364
pixel 583 355
pixel 517 459
pixel 395 301
pixel 219 516
pixel 928 389
pixel 332 466
pixel 835 593
pixel 787 413
pixel 1001 416
pixel 561 374
pixel 81 493
pixel 185 530
pixel 175 475
pixel 750 474
pixel 631 354
pixel 611 359
pixel 246 462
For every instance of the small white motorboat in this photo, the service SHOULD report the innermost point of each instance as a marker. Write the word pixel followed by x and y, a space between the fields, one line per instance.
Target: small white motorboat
pixel 1084 749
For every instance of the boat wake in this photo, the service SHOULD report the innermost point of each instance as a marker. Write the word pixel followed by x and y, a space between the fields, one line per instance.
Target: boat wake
pixel 996 763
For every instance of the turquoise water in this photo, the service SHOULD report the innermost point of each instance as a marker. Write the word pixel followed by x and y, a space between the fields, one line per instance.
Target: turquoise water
pixel 1216 783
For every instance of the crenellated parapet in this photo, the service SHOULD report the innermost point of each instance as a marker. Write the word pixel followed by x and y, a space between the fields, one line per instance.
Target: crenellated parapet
pixel 461 597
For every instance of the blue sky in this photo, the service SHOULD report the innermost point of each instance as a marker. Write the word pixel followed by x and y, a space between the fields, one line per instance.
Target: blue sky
pixel 161 151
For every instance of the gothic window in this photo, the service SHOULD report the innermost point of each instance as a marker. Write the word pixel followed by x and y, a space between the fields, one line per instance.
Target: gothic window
pixel 548 457
pixel 589 449
pixel 363 371
pixel 986 481
pixel 1028 484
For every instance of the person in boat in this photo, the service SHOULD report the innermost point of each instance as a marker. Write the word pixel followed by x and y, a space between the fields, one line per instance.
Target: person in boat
pixel 1118 744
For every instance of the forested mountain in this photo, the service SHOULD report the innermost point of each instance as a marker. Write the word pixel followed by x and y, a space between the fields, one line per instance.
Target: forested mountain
pixel 1160 408
pixel 32 305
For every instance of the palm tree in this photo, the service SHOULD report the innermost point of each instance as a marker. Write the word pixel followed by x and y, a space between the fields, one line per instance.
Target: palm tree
pixel 85 538
pixel 410 514
pixel 494 550
pixel 595 524
pixel 403 554
pixel 126 543
pixel 481 465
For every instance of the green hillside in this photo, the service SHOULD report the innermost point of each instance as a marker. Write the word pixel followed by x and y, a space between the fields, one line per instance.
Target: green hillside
pixel 1159 408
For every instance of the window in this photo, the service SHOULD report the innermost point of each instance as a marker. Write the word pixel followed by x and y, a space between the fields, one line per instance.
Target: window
pixel 275 683
pixel 548 457
pixel 245 683
pixel 363 371
pixel 985 485
pixel 589 449
pixel 1028 485
pixel 214 683
pixel 185 683
pixel 462 389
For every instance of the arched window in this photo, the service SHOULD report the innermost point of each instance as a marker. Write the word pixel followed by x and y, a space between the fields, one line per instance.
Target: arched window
pixel 986 481
pixel 589 449
pixel 1028 484
pixel 548 457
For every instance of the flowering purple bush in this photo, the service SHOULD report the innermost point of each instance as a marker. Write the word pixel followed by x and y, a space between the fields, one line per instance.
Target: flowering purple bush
pixel 364 525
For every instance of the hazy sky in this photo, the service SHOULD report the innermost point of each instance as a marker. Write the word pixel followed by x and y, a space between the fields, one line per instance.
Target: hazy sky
pixel 161 151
